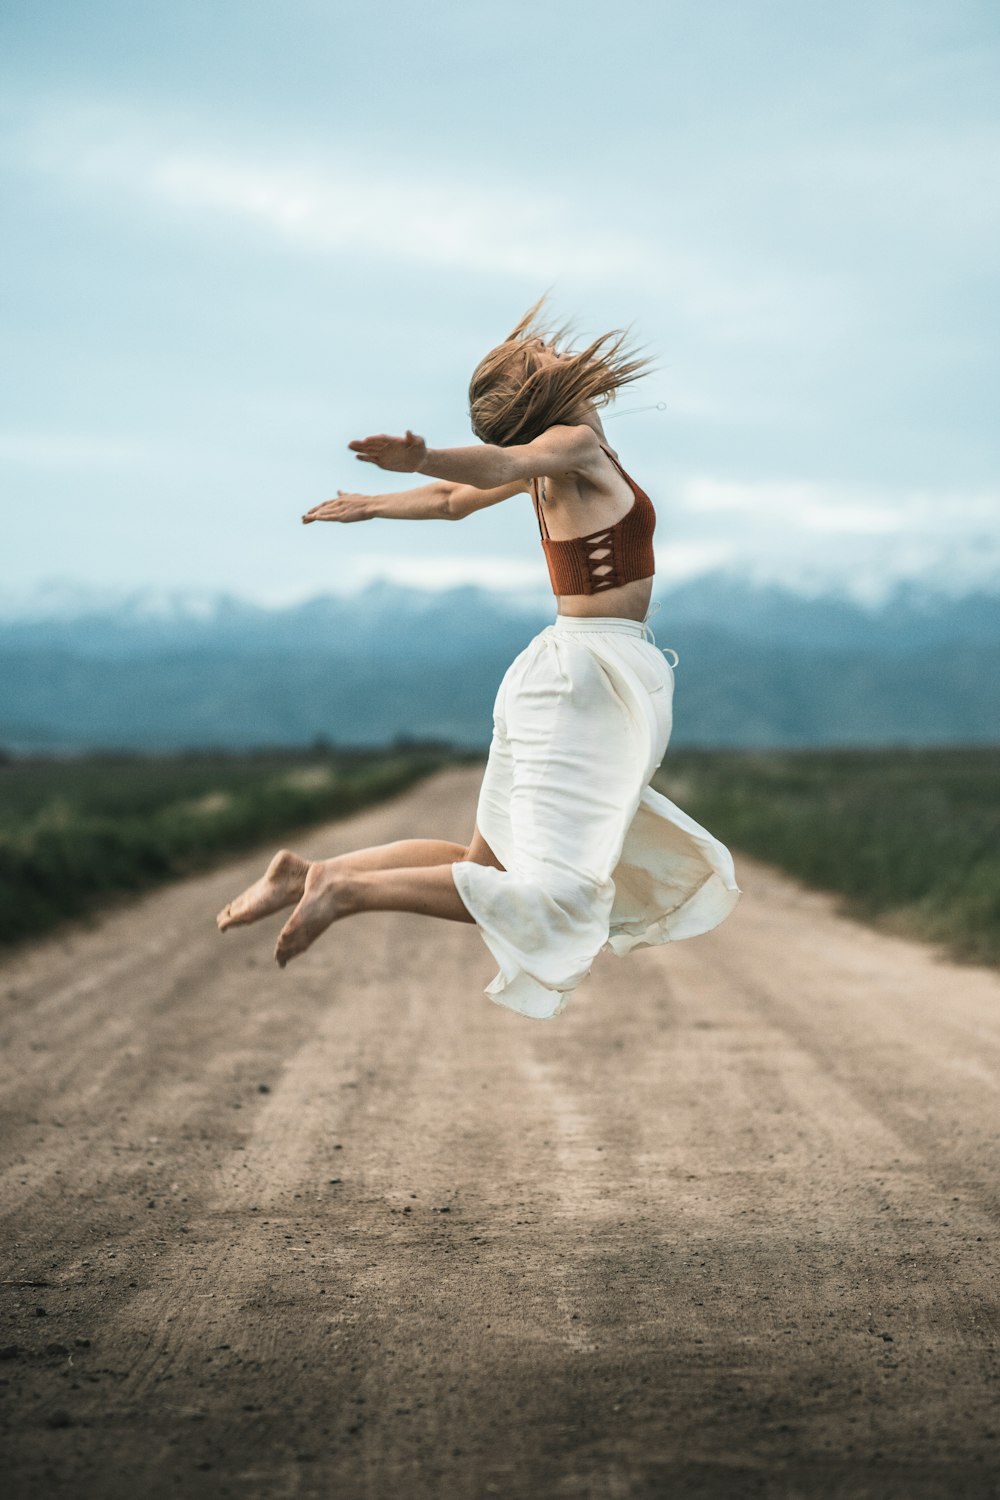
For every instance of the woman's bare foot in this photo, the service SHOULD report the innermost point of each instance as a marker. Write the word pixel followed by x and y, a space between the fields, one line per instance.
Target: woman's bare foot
pixel 282 885
pixel 330 893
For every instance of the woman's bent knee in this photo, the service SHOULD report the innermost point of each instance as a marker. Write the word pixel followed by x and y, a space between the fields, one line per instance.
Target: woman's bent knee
pixel 480 853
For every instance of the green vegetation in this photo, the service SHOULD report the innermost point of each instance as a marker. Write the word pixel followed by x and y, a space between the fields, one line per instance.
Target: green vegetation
pixel 74 833
pixel 910 838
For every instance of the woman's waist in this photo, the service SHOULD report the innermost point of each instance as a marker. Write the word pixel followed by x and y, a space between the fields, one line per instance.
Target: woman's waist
pixel 575 623
pixel 569 626
pixel 622 601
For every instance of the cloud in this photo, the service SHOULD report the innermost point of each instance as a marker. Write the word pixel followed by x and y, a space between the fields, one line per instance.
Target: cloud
pixel 679 560
pixel 70 452
pixel 804 505
pixel 351 202
pixel 807 537
pixel 444 571
pixel 938 180
pixel 450 225
pixel 813 535
pixel 341 204
pixel 807 505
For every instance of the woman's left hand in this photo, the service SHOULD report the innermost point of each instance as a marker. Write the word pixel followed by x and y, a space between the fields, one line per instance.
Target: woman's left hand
pixel 403 455
pixel 346 507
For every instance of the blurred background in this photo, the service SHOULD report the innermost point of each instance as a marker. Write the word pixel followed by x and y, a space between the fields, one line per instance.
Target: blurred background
pixel 237 236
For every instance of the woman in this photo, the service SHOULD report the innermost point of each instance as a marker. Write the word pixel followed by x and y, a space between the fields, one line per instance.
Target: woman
pixel 572 851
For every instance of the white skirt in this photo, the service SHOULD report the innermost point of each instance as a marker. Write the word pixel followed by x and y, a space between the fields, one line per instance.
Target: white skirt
pixel 593 857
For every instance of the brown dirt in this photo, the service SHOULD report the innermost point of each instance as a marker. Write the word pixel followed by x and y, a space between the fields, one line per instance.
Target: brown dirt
pixel 727 1227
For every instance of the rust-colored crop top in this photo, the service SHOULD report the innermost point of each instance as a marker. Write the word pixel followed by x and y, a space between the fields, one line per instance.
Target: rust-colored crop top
pixel 622 553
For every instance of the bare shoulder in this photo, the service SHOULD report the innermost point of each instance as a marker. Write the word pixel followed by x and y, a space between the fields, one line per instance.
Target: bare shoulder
pixel 579 437
pixel 565 449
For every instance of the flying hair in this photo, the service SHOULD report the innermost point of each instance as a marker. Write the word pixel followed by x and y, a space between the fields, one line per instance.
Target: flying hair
pixel 514 398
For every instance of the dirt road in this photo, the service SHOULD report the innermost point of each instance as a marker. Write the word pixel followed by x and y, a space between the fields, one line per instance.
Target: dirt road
pixel 727 1227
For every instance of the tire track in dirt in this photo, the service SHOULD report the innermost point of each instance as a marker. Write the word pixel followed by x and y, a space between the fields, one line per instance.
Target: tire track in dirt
pixel 726 1227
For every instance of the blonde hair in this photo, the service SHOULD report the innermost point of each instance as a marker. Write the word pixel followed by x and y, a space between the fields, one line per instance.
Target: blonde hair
pixel 513 398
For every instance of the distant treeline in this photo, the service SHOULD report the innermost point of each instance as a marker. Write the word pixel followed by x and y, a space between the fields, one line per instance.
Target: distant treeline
pixel 75 833
pixel 910 838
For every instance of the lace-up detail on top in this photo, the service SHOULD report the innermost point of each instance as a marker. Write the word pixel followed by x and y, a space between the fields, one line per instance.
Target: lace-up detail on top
pixel 604 559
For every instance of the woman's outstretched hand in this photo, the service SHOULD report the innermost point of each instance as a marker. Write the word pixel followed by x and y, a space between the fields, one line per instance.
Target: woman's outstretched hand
pixel 403 455
pixel 346 507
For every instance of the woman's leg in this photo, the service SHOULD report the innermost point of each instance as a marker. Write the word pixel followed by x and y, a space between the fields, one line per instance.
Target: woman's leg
pixel 338 888
pixel 284 881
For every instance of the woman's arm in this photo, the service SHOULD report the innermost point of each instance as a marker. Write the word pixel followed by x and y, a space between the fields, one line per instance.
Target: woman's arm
pixel 428 503
pixel 439 501
pixel 560 450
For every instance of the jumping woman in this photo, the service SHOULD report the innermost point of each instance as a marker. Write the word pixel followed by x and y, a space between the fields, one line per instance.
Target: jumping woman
pixel 573 851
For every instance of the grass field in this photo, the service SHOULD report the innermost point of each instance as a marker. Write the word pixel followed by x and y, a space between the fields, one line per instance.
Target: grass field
pixel 76 833
pixel 909 838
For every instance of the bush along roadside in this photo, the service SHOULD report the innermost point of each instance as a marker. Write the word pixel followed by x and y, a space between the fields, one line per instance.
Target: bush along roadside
pixel 910 839
pixel 66 858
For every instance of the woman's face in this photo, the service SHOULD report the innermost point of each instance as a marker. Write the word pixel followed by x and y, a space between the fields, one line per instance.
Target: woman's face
pixel 541 352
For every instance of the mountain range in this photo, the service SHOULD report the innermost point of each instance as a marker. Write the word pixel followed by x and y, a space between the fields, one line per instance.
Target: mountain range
pixel 759 666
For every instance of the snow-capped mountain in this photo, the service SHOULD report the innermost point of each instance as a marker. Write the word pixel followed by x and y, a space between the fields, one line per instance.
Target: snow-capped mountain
pixel 760 665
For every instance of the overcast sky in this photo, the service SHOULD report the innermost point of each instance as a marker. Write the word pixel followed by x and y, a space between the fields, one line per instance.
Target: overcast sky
pixel 238 234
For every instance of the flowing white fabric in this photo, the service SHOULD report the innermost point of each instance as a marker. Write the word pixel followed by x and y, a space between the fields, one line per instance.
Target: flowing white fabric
pixel 593 857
